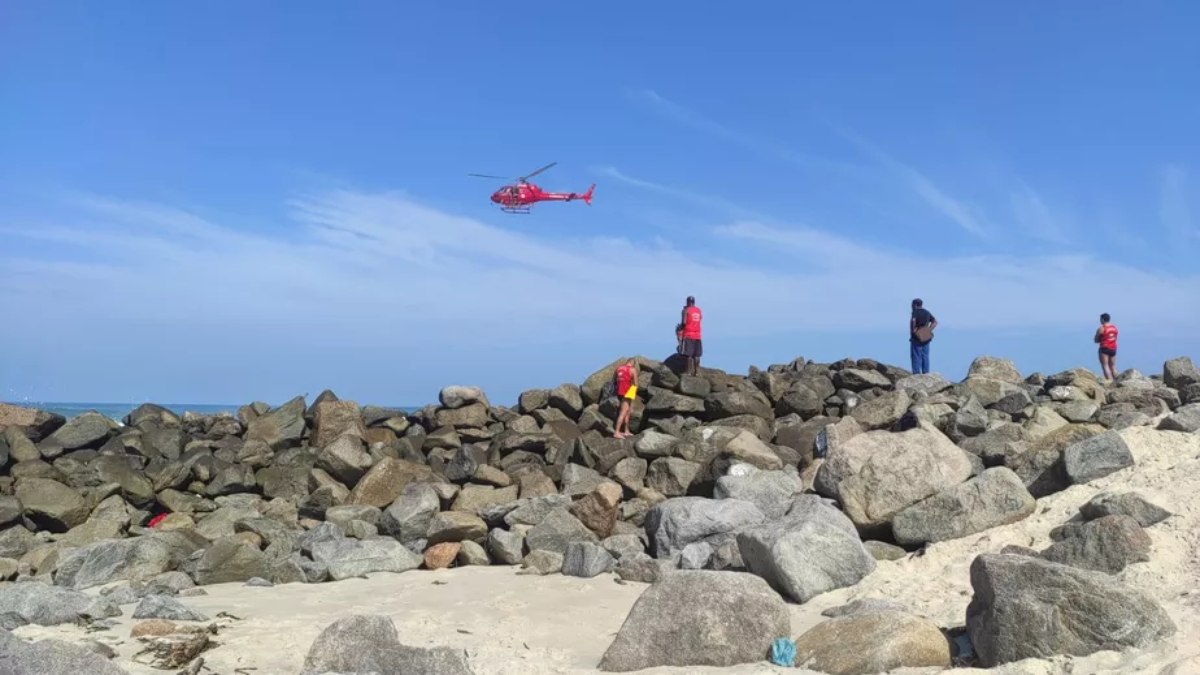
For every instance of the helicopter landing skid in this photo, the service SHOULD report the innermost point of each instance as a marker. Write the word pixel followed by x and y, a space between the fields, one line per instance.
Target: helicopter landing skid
pixel 515 209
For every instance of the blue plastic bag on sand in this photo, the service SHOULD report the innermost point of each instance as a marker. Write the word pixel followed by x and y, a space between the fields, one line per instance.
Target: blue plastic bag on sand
pixel 783 652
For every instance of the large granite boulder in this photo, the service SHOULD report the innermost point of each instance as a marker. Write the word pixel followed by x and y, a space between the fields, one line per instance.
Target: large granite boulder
pixel 813 549
pixel 1024 607
pixel 699 618
pixel 280 428
pixel 369 644
pixel 771 491
pixel 1096 457
pixel 1106 544
pixel 136 559
pixel 869 642
pixel 1129 504
pixel 877 474
pixel 673 524
pixel 47 605
pixel 50 504
pixel 993 498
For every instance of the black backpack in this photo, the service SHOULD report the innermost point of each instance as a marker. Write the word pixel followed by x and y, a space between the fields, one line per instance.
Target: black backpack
pixel 610 387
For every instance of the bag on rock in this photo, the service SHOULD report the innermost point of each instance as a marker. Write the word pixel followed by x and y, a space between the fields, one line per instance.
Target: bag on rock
pixel 783 652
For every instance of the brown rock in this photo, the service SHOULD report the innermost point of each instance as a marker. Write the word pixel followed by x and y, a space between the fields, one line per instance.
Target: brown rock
pixel 597 510
pixel 380 435
pixel 872 642
pixel 152 628
pixel 250 539
pixel 334 418
pixel 441 556
pixel 385 481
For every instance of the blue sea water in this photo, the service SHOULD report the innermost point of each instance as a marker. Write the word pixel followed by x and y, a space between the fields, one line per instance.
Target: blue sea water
pixel 118 411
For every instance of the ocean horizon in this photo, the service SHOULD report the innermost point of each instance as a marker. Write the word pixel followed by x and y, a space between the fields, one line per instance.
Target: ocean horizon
pixel 118 411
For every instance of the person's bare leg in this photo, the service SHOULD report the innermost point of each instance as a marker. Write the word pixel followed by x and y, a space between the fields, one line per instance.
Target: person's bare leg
pixel 1112 367
pixel 622 418
pixel 1104 365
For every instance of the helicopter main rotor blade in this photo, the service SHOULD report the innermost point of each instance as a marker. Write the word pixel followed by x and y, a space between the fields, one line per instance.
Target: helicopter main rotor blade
pixel 539 170
pixel 484 175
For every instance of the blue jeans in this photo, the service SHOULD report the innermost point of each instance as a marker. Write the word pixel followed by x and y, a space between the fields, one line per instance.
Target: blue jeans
pixel 920 357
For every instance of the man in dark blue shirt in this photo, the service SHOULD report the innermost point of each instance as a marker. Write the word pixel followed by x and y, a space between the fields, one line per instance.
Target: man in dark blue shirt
pixel 920 334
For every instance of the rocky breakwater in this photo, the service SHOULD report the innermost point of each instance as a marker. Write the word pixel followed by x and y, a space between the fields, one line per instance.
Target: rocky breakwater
pixel 780 485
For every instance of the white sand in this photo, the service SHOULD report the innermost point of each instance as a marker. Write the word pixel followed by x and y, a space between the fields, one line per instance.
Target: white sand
pixel 524 625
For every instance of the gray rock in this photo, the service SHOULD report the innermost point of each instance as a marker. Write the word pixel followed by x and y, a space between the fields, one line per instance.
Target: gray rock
pixel 46 605
pixel 878 474
pixel 10 509
pixel 542 562
pixel 814 549
pixel 651 443
pixel 994 368
pixel 166 607
pixel 971 419
pixel 505 547
pixel 672 476
pixel 996 445
pixel 322 532
pixel 457 396
pixel 925 383
pixel 771 491
pixel 230 559
pixel 1078 411
pixel 343 515
pixel 1185 418
pixel 88 430
pixel 883 411
pixel 630 473
pixel 471 553
pixel 51 505
pixel 345 459
pixel 696 555
pixel 586 560
pixel 1107 544
pixel 624 545
pixel 883 551
pixel 1096 457
pixel 736 402
pixel 699 618
pixel 857 380
pixel 281 427
pixel 47 657
pixel 556 531
pixel 369 644
pixel 994 498
pixel 408 517
pixel 259 582
pixel 641 568
pixel 1029 608
pixel 136 559
pixel 673 524
pixel 455 526
pixel 352 558
pixel 17 541
pixel 1129 504
pixel 1180 372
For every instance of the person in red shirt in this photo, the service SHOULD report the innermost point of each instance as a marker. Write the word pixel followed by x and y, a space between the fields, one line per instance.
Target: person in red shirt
pixel 627 384
pixel 688 335
pixel 1106 337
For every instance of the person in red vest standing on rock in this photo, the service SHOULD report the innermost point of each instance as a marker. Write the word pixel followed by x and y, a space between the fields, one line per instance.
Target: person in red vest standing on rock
pixel 688 334
pixel 626 377
pixel 1106 337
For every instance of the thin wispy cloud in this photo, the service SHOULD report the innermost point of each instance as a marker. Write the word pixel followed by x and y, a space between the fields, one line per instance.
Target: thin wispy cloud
pixel 924 187
pixel 1035 217
pixel 722 205
pixel 688 117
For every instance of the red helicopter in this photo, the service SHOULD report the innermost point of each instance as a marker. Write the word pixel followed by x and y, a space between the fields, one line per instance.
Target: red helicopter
pixel 522 195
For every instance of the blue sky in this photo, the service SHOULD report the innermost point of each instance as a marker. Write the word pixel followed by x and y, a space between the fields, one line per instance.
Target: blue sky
pixel 225 201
